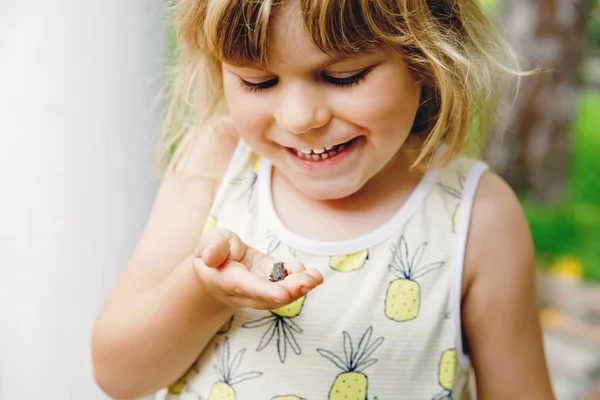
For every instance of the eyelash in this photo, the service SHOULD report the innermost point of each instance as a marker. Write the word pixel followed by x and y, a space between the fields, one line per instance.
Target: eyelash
pixel 339 82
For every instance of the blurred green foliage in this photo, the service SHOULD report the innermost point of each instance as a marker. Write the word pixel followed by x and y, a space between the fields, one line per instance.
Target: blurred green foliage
pixel 573 227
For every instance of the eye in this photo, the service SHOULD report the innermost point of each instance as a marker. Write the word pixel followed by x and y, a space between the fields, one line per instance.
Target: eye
pixel 347 81
pixel 253 87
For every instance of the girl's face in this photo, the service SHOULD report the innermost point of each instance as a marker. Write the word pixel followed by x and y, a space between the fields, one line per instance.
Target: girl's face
pixel 327 124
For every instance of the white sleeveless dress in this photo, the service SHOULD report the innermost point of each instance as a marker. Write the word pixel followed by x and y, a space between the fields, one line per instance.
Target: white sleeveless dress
pixel 385 324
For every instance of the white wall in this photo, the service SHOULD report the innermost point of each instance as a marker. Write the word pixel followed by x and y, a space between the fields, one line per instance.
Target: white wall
pixel 78 81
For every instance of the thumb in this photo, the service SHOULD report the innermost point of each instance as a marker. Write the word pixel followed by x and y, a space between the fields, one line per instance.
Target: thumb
pixel 219 245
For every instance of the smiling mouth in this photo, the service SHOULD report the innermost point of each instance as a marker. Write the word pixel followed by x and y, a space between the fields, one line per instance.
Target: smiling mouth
pixel 322 153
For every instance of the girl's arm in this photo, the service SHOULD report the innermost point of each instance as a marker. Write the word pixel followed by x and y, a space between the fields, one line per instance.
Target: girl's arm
pixel 500 315
pixel 157 318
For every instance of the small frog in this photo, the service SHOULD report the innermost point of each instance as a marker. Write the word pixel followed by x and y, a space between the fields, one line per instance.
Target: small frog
pixel 279 272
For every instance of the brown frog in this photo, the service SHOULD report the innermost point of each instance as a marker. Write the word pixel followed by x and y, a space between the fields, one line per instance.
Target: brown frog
pixel 278 273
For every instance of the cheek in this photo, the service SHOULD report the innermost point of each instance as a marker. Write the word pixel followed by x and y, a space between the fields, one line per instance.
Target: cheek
pixel 235 96
pixel 249 111
pixel 382 104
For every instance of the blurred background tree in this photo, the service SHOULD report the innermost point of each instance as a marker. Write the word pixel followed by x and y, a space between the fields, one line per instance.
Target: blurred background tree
pixel 549 140
pixel 549 35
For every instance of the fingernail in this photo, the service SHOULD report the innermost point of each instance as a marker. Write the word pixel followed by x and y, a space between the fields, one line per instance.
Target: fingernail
pixel 315 273
pixel 304 290
pixel 202 255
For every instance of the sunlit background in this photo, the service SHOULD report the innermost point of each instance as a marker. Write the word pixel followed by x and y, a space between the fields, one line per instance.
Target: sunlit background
pixel 551 156
pixel 79 111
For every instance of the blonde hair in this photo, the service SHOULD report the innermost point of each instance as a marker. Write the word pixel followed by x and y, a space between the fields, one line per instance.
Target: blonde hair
pixel 451 45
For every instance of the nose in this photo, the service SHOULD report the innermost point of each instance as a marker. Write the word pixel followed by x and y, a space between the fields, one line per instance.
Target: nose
pixel 301 109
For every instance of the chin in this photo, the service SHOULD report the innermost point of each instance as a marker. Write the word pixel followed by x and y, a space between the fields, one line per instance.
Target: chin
pixel 327 190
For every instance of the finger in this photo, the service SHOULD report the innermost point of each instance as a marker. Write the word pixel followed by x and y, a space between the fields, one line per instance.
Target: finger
pixel 234 279
pixel 252 286
pixel 218 245
pixel 301 283
pixel 294 267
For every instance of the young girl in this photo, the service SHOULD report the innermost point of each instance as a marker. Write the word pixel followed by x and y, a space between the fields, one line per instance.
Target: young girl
pixel 342 155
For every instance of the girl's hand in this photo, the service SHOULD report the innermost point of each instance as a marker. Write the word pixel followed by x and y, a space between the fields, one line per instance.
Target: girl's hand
pixel 238 275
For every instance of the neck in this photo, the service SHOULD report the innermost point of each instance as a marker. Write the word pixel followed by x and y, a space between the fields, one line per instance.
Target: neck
pixel 362 212
pixel 391 182
pixel 389 187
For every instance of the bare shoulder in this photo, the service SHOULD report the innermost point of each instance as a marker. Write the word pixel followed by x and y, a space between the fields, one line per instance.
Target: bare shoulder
pixel 499 309
pixel 205 152
pixel 498 228
pixel 181 206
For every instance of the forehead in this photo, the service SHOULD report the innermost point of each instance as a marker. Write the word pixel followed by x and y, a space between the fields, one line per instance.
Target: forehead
pixel 290 44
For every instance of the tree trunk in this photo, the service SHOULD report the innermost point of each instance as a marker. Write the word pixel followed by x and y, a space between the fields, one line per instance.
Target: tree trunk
pixel 533 153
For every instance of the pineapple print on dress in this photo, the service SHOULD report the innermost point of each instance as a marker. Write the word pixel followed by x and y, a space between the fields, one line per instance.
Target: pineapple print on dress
pixel 227 370
pixel 189 394
pixel 280 324
pixel 403 299
pixel 457 194
pixel 352 383
pixel 248 183
pixel 288 398
pixel 210 224
pixel 180 386
pixel 350 262
pixel 447 372
pixel 274 242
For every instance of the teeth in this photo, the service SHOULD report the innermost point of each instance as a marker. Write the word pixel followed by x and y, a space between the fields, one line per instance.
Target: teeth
pixel 321 153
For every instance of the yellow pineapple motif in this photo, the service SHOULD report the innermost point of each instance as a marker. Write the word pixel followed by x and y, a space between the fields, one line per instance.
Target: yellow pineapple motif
pixel 447 372
pixel 288 398
pixel 448 369
pixel 180 386
pixel 177 387
pixel 280 324
pixel 350 262
pixel 226 367
pixel 456 193
pixel 256 165
pixel 291 310
pixel 455 218
pixel 184 391
pixel 222 391
pixel 210 224
pixel 352 383
pixel 403 299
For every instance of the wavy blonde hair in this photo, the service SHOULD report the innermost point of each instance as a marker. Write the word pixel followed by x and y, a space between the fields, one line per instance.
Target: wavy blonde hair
pixel 451 45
